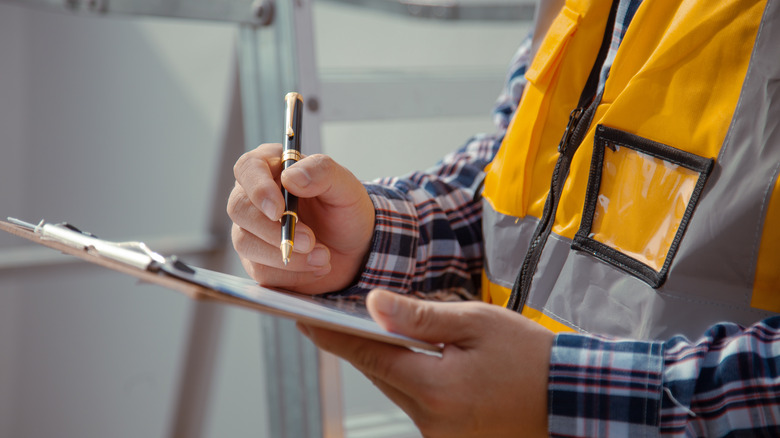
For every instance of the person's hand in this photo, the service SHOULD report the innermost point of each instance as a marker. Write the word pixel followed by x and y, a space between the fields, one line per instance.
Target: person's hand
pixel 491 380
pixel 333 233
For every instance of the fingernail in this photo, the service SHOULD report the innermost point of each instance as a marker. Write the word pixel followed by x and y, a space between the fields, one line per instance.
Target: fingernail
pixel 386 302
pixel 299 177
pixel 301 242
pixel 318 257
pixel 322 271
pixel 269 209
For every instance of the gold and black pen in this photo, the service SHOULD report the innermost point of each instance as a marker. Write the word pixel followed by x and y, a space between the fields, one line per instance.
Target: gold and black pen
pixel 291 153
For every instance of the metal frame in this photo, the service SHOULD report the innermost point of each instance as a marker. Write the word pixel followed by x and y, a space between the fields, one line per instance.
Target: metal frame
pixel 261 11
pixel 482 10
pixel 234 11
pixel 405 94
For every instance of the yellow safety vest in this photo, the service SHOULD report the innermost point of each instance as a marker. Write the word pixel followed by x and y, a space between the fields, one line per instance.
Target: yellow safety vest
pixel 657 211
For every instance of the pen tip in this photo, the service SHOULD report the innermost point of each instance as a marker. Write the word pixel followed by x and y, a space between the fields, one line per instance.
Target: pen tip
pixel 286 248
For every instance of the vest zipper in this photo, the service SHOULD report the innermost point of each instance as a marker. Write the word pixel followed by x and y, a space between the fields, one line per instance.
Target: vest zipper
pixel 579 122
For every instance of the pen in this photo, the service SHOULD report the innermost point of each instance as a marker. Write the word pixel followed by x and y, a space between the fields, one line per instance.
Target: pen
pixel 290 155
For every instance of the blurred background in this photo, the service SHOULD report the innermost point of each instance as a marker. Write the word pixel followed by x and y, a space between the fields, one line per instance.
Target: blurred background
pixel 119 125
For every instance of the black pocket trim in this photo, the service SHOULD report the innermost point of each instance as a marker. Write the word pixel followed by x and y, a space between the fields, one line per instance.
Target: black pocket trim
pixel 604 137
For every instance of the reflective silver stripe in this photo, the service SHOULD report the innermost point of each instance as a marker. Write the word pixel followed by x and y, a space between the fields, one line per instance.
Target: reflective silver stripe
pixel 506 239
pixel 595 297
pixel 711 277
pixel 589 295
pixel 735 199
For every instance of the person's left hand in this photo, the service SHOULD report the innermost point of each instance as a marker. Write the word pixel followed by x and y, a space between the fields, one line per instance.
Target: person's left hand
pixel 490 381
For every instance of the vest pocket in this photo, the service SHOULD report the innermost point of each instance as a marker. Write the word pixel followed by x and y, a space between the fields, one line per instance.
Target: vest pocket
pixel 640 197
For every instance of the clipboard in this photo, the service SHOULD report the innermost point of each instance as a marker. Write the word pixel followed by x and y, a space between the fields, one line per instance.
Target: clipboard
pixel 136 259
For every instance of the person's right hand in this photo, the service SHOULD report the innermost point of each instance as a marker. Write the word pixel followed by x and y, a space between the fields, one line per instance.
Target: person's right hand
pixel 333 233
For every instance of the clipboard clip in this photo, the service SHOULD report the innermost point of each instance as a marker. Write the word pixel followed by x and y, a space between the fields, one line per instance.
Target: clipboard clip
pixel 132 253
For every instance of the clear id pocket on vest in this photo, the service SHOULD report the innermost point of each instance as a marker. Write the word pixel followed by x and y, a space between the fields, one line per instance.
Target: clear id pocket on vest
pixel 640 196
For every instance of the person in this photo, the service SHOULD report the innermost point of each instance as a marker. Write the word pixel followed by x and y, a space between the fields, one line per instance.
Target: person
pixel 629 202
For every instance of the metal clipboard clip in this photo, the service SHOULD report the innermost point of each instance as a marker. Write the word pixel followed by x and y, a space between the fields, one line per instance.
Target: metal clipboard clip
pixel 136 254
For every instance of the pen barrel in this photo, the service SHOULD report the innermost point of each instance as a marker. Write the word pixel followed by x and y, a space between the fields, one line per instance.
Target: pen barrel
pixel 289 218
pixel 290 156
pixel 290 215
pixel 291 153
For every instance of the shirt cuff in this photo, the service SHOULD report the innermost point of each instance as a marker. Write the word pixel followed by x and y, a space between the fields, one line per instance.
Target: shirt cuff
pixel 604 387
pixel 391 260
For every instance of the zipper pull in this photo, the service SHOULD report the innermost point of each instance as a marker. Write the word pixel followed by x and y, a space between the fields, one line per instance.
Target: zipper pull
pixel 574 119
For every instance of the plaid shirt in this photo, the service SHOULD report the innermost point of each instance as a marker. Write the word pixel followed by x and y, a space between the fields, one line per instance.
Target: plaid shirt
pixel 725 384
pixel 428 234
pixel 428 241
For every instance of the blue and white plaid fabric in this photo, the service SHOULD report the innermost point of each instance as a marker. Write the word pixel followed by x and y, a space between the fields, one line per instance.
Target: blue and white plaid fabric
pixel 726 384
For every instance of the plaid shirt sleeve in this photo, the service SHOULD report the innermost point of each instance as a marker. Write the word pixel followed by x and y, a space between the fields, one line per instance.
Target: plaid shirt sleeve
pixel 725 384
pixel 428 232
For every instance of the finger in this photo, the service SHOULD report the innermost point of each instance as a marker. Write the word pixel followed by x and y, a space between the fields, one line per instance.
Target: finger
pixel 246 215
pixel 434 322
pixel 387 363
pixel 257 250
pixel 405 401
pixel 294 281
pixel 410 404
pixel 249 267
pixel 257 172
pixel 320 176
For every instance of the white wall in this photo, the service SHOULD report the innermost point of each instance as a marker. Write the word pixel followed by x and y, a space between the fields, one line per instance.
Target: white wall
pixel 114 125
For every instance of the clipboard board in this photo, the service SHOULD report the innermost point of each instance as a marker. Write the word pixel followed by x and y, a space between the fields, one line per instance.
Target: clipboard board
pixel 137 260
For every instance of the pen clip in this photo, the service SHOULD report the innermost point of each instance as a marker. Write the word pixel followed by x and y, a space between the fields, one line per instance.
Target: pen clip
pixel 291 99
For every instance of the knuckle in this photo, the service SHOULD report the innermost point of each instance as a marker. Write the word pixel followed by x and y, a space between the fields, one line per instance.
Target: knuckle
pixel 253 193
pixel 372 364
pixel 247 245
pixel 421 316
pixel 241 163
pixel 240 238
pixel 234 203
pixel 479 316
pixel 322 162
pixel 364 360
pixel 238 207
pixel 250 163
pixel 256 194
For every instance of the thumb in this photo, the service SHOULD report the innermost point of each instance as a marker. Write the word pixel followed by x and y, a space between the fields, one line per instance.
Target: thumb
pixel 424 320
